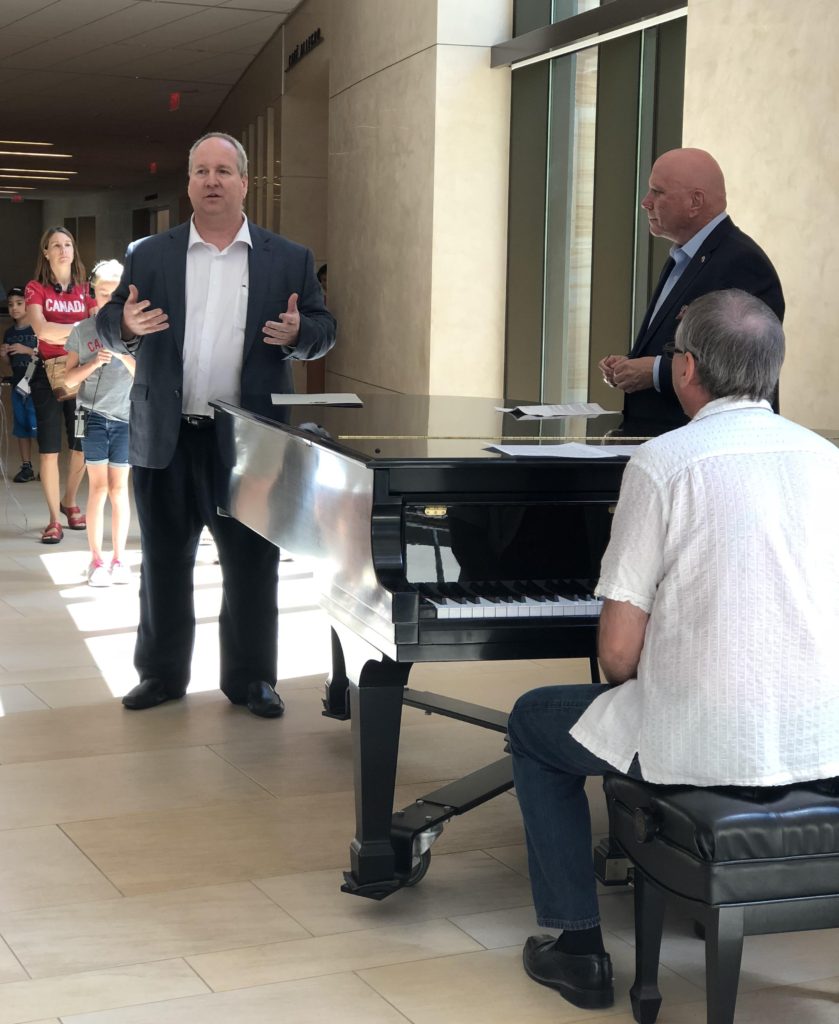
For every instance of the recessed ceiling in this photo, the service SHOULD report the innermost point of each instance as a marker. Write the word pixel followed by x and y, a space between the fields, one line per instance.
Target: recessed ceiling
pixel 94 77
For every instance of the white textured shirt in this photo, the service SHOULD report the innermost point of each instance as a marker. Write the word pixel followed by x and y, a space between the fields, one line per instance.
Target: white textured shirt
pixel 216 310
pixel 726 534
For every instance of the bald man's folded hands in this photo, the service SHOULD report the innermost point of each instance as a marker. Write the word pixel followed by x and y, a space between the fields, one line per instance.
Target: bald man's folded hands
pixel 627 374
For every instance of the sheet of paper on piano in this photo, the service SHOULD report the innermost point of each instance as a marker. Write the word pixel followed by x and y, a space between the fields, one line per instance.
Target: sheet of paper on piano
pixel 550 412
pixel 568 450
pixel 343 400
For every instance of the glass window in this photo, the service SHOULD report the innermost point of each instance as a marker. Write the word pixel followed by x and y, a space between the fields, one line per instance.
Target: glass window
pixel 586 127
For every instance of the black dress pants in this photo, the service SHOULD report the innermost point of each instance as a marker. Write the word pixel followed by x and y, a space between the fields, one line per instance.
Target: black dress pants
pixel 173 504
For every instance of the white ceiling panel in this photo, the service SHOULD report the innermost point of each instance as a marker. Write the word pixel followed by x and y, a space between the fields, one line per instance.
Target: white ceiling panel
pixel 104 60
pixel 274 6
pixel 171 65
pixel 13 45
pixel 244 39
pixel 43 56
pixel 226 68
pixel 64 16
pixel 11 11
pixel 130 22
pixel 204 3
pixel 216 22
pixel 111 64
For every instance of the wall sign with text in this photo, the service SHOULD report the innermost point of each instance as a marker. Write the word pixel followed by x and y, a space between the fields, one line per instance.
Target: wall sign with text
pixel 300 51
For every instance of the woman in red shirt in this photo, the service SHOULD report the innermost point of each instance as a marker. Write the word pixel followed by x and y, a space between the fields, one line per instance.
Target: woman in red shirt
pixel 56 299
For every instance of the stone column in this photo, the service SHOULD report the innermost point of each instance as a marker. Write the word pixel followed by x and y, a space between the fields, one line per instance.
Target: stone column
pixel 418 163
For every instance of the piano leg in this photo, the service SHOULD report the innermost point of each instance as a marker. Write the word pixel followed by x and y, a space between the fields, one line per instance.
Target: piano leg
pixel 376 706
pixel 336 696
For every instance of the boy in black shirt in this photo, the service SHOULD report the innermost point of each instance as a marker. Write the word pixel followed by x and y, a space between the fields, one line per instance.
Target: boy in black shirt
pixel 19 344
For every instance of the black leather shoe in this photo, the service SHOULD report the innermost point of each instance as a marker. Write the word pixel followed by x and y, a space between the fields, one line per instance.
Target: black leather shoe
pixel 583 979
pixel 148 693
pixel 263 700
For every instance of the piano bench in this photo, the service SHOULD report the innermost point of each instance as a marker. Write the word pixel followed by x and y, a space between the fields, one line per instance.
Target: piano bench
pixel 742 861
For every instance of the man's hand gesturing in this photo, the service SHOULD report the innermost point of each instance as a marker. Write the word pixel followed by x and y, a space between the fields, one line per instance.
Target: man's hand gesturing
pixel 286 330
pixel 138 319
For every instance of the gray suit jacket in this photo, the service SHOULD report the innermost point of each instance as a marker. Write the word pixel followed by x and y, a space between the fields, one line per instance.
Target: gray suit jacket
pixel 156 266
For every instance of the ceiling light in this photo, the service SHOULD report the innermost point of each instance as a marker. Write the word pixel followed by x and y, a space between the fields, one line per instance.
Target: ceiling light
pixel 17 142
pixel 35 177
pixel 21 188
pixel 20 152
pixel 37 170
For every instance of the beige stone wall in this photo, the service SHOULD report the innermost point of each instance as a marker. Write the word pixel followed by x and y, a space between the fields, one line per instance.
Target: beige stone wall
pixel 469 248
pixel 289 164
pixel 760 93
pixel 282 118
pixel 381 173
pixel 419 133
pixel 304 132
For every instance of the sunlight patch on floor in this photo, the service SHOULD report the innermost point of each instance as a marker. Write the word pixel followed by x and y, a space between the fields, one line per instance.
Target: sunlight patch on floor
pixel 109 615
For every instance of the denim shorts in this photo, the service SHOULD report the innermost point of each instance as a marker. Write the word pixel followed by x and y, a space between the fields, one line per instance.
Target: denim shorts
pixel 23 410
pixel 105 440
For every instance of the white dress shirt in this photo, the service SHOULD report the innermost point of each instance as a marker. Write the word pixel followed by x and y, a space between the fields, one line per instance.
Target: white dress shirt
pixel 216 310
pixel 725 533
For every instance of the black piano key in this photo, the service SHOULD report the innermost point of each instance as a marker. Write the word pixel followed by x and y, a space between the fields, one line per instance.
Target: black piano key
pixel 430 592
pixel 566 588
pixel 542 589
pixel 508 592
pixel 526 588
pixel 580 590
pixel 465 592
pixel 485 590
pixel 450 592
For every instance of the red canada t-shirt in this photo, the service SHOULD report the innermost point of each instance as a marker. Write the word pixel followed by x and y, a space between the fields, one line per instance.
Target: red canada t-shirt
pixel 59 308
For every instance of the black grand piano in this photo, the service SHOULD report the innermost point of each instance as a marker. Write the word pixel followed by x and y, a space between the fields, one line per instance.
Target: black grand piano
pixel 426 547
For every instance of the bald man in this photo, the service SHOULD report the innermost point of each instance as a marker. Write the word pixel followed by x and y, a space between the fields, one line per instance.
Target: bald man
pixel 685 204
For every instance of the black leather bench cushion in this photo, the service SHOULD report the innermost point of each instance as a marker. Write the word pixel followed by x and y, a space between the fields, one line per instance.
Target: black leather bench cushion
pixel 727 845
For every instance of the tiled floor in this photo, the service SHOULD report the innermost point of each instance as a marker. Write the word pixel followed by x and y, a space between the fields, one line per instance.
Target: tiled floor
pixel 184 863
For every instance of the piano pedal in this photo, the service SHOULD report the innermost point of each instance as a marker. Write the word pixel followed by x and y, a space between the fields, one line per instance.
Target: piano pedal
pixel 610 866
pixel 336 701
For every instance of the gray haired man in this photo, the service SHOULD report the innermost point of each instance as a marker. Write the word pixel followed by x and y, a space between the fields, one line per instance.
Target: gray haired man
pixel 719 623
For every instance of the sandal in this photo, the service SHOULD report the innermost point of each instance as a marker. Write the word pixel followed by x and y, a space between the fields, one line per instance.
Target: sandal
pixel 53 534
pixel 75 517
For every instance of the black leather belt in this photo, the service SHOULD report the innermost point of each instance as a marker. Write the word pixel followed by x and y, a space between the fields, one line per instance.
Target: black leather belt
pixel 198 422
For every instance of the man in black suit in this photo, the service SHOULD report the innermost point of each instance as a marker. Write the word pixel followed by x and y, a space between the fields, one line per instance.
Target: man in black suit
pixel 214 309
pixel 685 204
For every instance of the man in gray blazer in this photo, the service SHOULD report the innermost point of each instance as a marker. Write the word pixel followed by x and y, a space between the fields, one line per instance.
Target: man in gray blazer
pixel 214 309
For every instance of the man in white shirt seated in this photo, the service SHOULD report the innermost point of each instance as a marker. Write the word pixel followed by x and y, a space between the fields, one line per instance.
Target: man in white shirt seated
pixel 718 630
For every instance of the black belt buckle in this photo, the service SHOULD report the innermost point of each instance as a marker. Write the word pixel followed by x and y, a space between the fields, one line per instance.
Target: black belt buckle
pixel 199 422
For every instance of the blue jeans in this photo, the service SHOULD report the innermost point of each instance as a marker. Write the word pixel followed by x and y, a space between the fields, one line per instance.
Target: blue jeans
pixel 550 770
pixel 105 440
pixel 23 411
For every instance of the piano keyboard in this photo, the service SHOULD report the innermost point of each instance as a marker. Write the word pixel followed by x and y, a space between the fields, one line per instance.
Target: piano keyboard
pixel 508 599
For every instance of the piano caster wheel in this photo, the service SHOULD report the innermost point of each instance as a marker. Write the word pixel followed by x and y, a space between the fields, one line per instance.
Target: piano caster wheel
pixel 419 869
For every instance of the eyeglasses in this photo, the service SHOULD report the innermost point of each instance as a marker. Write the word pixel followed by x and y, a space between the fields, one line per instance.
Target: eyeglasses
pixel 670 349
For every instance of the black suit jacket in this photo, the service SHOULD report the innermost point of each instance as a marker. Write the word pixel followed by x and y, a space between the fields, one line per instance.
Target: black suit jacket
pixel 156 266
pixel 727 258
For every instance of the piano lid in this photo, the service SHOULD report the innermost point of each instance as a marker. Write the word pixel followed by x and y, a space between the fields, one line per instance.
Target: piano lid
pixel 399 427
pixel 396 426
